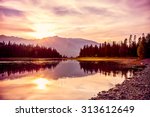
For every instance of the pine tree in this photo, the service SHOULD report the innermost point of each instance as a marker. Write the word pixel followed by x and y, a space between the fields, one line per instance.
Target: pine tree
pixel 141 49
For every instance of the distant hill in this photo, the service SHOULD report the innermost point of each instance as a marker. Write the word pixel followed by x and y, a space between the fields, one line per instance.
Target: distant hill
pixel 65 46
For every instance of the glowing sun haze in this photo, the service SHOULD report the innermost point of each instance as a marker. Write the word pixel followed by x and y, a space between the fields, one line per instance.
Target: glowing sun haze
pixel 97 20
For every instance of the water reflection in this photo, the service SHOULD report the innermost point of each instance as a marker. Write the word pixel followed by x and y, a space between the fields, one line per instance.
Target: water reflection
pixel 59 79
pixel 10 68
pixel 63 70
pixel 106 68
pixel 41 83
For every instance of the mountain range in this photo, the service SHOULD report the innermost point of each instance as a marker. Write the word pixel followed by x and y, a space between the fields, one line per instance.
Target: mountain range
pixel 65 46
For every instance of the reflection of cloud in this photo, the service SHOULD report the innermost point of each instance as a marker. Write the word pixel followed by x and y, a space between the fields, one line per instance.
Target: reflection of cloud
pixel 71 88
pixel 111 84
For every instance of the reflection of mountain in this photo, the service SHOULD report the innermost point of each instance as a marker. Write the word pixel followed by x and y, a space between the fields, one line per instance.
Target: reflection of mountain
pixel 61 69
pixel 68 69
pixel 65 46
pixel 8 69
pixel 105 68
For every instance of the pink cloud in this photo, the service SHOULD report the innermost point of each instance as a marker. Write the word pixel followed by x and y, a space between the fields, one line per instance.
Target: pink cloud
pixel 10 12
pixel 70 18
pixel 64 11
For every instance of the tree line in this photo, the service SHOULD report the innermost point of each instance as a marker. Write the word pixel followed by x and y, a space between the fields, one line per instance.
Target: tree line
pixel 128 48
pixel 21 50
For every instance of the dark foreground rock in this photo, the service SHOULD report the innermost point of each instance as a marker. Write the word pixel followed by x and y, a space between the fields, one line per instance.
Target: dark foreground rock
pixel 135 88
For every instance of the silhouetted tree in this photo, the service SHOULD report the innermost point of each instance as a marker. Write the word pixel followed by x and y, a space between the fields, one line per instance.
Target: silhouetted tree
pixel 131 48
pixel 22 50
pixel 147 48
pixel 141 50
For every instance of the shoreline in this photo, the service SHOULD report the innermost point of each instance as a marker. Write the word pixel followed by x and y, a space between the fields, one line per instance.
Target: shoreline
pixel 30 59
pixel 122 60
pixel 135 88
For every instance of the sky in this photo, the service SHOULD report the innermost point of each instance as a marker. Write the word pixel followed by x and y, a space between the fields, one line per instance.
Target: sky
pixel 97 20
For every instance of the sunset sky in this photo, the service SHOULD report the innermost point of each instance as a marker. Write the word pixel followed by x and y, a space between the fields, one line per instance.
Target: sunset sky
pixel 98 20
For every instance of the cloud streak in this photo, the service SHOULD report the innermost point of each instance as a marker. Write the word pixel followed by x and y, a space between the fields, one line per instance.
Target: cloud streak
pixel 98 11
pixel 62 11
pixel 10 12
pixel 139 4
pixel 15 27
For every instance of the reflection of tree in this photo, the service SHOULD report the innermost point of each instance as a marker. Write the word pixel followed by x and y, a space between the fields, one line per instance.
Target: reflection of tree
pixel 105 68
pixel 12 68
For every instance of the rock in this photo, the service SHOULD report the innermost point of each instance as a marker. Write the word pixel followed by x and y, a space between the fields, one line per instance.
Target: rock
pixel 133 88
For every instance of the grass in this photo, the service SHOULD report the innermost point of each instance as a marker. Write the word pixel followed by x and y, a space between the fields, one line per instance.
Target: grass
pixel 103 58
pixel 123 60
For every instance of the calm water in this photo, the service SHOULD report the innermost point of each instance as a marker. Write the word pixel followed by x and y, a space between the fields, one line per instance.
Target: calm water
pixel 58 79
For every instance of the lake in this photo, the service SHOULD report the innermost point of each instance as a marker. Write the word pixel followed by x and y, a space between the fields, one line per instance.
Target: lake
pixel 58 79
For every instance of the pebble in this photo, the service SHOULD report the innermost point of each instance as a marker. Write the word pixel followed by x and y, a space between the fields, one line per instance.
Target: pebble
pixel 135 88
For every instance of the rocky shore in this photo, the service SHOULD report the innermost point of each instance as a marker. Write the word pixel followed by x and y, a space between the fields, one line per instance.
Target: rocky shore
pixel 135 88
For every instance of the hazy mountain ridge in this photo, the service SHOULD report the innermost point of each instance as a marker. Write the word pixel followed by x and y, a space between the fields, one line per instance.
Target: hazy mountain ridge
pixel 66 46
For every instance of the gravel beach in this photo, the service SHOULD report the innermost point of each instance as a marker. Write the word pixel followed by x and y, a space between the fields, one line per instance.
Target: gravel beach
pixel 135 88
